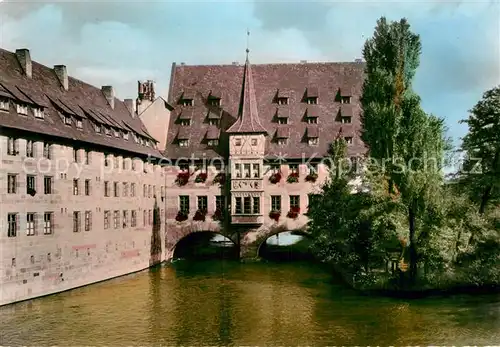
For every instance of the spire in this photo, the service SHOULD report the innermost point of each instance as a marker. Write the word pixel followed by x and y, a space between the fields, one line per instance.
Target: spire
pixel 248 118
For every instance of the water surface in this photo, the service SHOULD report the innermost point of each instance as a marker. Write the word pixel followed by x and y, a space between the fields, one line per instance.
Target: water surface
pixel 229 303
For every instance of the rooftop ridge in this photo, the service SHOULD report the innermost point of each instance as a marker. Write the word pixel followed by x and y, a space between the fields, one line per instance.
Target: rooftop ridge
pixel 284 63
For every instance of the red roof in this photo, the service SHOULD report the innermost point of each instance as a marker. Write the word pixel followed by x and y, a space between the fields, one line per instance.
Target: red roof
pixel 81 99
pixel 265 83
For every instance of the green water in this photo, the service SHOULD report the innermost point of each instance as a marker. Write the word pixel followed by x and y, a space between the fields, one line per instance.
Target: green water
pixel 227 303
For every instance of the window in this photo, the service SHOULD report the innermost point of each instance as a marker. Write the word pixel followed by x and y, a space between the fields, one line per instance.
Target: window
pixel 76 221
pixel 116 132
pixel 275 203
pixel 313 141
pixel 12 146
pixel 30 149
pixel 256 205
pixel 88 220
pixel 256 170
pixel 345 100
pixel 282 142
pixel 125 135
pixel 75 155
pixel 30 224
pixel 133 221
pixel 282 101
pixel 47 185
pixel 116 219
pixel 48 221
pixel 132 189
pixel 47 153
pixel 213 122
pixel 183 143
pixel 219 202
pixel 67 119
pixel 97 128
pixel 30 184
pixel 38 112
pixel 237 170
pixel 4 104
pixel 106 219
pixel 149 190
pixel 106 188
pixel 312 100
pixel 254 142
pixel 237 142
pixel 312 120
pixel 87 187
pixel 124 164
pixel 348 140
pixel 11 183
pixel 125 188
pixel 13 224
pixel 247 205
pixel 162 192
pixel 107 131
pixel 125 218
pixel 22 109
pixel 116 162
pixel 184 203
pixel 294 201
pixel 144 217
pixel 202 203
pixel 345 119
pixel 294 168
pixel 313 168
pixel 86 156
pixel 237 205
pixel 115 189
pixel 282 120
pixel 185 122
pixel 213 143
pixel 79 123
pixel 150 219
pixel 144 190
pixel 133 164
pixel 75 187
pixel 107 159
pixel 214 101
pixel 246 170
pixel 187 102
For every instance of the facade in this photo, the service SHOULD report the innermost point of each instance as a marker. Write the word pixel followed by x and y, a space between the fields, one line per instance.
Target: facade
pixel 79 179
pixel 248 145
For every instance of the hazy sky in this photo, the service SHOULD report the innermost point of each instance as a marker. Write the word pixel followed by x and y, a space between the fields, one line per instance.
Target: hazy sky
pixel 119 42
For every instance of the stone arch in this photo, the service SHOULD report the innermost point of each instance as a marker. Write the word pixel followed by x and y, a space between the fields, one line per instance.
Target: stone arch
pixel 300 232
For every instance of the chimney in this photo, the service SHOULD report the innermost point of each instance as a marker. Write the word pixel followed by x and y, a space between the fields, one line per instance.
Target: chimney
pixel 24 58
pixel 129 103
pixel 109 93
pixel 236 63
pixel 62 74
pixel 183 63
pixel 303 61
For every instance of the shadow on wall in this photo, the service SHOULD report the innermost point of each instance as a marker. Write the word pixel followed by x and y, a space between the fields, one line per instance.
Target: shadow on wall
pixel 155 251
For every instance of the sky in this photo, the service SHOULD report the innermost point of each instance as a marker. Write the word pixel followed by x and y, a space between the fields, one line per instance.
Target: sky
pixel 119 42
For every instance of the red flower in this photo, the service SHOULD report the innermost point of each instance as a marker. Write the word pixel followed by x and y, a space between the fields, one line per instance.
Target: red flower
pixel 293 177
pixel 294 212
pixel 218 215
pixel 275 177
pixel 312 177
pixel 275 215
pixel 202 177
pixel 220 178
pixel 200 215
pixel 181 216
pixel 182 178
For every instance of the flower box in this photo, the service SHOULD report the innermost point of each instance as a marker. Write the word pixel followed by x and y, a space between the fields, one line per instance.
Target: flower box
pixel 293 177
pixel 181 216
pixel 293 213
pixel 201 178
pixel 200 215
pixel 218 215
pixel 275 177
pixel 220 178
pixel 312 177
pixel 182 178
pixel 275 215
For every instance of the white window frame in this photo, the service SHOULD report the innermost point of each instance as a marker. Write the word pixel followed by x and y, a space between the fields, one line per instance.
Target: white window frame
pixel 38 112
pixel 22 109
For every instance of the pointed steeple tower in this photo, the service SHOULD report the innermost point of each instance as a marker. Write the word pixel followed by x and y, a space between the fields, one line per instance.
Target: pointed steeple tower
pixel 248 121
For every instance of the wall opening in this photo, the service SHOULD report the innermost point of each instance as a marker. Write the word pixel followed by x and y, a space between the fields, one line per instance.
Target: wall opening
pixel 287 246
pixel 205 245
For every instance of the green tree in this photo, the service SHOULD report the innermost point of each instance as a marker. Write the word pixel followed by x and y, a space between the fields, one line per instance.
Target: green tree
pixel 481 169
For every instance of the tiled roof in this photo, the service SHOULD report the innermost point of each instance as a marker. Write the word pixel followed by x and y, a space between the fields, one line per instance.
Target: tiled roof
pixel 283 132
pixel 268 81
pixel 81 99
pixel 213 133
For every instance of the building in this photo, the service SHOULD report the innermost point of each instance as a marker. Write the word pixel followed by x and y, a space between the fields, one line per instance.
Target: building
pixel 248 143
pixel 79 178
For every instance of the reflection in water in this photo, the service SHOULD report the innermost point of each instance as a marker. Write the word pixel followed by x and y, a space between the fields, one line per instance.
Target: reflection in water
pixel 228 303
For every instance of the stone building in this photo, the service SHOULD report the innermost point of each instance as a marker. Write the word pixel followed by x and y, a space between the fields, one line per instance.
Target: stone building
pixel 78 179
pixel 248 143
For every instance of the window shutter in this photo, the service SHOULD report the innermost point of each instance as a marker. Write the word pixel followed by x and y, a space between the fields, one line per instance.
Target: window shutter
pixel 18 227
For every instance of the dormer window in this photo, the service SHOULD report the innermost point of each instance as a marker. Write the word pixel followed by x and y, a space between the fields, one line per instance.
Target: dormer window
pixel 282 101
pixel 185 122
pixel 237 142
pixel 212 101
pixel 345 99
pixel 136 139
pixel 97 128
pixel 312 120
pixel 312 136
pixel 254 142
pixel 213 143
pixel 22 109
pixel 345 120
pixel 107 131
pixel 282 120
pixel 187 102
pixel 348 140
pixel 117 133
pixel 312 100
pixel 67 119
pixel 38 112
pixel 213 122
pixel 183 143
pixel 4 104
pixel 125 135
pixel 313 141
pixel 282 142
pixel 79 123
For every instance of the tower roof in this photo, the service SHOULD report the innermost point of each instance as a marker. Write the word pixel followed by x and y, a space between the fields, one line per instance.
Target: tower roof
pixel 248 121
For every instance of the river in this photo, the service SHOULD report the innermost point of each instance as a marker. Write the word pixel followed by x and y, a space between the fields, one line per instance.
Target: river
pixel 229 303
